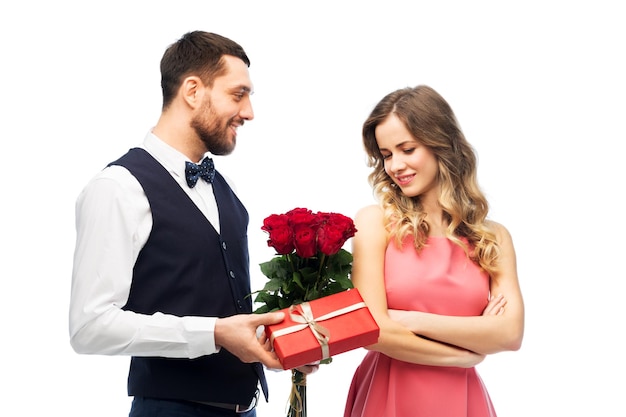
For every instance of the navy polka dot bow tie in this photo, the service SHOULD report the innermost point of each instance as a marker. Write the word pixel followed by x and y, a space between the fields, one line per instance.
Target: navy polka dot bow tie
pixel 206 171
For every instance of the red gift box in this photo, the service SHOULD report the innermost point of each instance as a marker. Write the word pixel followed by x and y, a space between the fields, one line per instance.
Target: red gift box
pixel 322 328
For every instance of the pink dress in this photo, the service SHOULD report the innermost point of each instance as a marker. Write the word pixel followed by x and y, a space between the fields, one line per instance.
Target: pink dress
pixel 439 280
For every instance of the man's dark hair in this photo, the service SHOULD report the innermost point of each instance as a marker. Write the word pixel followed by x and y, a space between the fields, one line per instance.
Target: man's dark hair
pixel 196 53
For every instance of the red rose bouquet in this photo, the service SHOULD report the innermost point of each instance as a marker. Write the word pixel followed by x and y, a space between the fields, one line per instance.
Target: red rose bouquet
pixel 310 263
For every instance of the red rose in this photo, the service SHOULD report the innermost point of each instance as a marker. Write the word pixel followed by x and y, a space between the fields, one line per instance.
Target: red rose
pixel 304 225
pixel 335 229
pixel 281 235
pixel 299 215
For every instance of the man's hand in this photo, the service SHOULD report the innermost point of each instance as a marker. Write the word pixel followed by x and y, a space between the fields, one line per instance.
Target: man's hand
pixel 238 335
pixel 309 368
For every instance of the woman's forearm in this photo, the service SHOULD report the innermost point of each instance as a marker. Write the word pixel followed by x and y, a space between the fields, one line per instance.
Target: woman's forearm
pixel 398 342
pixel 485 334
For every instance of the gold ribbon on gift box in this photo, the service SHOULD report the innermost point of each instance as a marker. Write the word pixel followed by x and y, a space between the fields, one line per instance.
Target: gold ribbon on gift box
pixel 303 314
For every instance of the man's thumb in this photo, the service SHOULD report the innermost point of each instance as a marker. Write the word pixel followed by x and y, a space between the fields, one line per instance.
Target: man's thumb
pixel 273 318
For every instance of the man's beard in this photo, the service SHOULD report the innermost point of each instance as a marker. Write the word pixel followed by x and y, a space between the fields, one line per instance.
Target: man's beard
pixel 213 134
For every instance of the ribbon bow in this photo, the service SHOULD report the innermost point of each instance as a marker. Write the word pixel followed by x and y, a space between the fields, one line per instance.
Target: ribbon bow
pixel 193 172
pixel 302 313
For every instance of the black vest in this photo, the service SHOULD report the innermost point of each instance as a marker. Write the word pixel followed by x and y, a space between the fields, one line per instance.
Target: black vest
pixel 187 269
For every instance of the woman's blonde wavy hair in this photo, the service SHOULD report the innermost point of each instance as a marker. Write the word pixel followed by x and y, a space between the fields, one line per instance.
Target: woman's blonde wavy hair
pixel 431 121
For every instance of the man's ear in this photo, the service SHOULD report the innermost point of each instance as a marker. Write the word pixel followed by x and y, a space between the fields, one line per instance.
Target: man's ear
pixel 191 90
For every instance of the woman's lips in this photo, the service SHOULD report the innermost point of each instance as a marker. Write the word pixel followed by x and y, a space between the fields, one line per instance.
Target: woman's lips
pixel 404 179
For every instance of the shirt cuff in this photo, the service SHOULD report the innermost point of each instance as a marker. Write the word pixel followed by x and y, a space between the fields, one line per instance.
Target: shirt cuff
pixel 200 332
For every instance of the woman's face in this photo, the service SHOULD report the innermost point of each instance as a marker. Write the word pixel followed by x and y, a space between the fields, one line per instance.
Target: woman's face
pixel 411 165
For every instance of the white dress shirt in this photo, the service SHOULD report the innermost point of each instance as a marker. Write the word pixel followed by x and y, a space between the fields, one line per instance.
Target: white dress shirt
pixel 113 222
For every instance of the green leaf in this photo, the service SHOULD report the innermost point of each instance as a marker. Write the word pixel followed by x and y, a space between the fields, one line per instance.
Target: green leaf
pixel 343 256
pixel 312 294
pixel 262 309
pixel 273 284
pixel 344 282
pixel 277 267
pixel 267 268
pixel 309 275
pixel 284 303
pixel 263 297
pixel 297 280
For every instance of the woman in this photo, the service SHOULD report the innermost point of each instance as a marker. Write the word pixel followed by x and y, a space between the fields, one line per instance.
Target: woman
pixel 439 278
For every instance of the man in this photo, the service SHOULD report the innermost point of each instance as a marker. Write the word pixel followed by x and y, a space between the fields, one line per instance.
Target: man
pixel 161 268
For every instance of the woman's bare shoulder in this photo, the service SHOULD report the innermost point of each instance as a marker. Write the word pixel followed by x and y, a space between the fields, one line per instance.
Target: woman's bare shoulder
pixel 499 230
pixel 369 212
pixel 370 221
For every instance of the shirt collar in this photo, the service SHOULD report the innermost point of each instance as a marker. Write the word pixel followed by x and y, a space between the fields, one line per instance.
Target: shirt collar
pixel 169 157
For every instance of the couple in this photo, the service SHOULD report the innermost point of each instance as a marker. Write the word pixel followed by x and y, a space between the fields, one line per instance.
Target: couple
pixel 161 266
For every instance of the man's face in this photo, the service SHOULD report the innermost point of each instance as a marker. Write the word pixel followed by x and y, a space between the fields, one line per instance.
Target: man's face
pixel 225 107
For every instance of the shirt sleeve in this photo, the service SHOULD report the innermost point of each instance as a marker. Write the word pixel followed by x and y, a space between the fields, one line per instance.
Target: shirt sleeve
pixel 113 222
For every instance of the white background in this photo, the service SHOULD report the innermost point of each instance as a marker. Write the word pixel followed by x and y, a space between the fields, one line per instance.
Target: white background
pixel 538 87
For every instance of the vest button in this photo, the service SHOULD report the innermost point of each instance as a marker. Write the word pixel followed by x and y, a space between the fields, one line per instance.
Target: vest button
pixel 232 274
pixel 224 245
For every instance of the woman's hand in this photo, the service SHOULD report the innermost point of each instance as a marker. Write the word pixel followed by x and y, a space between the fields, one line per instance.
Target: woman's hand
pixel 495 307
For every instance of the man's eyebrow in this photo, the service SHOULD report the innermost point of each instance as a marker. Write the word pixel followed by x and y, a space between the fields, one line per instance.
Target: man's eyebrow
pixel 244 89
